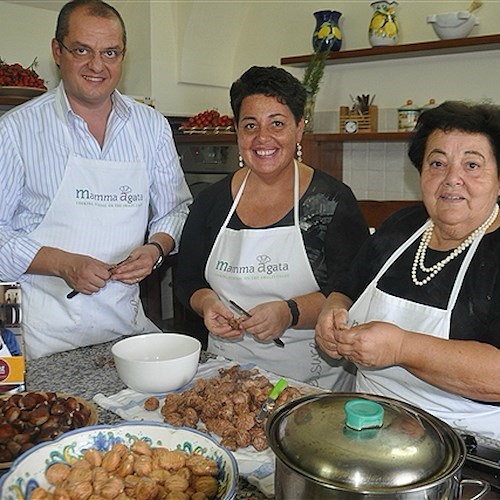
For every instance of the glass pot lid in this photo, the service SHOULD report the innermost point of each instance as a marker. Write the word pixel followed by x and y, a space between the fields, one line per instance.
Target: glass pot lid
pixel 360 441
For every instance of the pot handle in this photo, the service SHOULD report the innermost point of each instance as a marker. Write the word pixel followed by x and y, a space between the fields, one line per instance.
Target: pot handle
pixel 485 488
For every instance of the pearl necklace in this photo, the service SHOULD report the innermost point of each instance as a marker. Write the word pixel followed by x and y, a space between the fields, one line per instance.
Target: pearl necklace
pixel 432 271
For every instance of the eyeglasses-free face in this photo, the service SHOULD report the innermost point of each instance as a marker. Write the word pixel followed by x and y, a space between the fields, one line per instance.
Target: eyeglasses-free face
pixel 85 54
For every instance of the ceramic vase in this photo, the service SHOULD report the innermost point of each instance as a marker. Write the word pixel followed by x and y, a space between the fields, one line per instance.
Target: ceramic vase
pixel 327 35
pixel 384 27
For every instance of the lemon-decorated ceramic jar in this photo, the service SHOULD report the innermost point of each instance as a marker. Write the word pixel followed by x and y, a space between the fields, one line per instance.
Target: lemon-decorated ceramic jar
pixel 384 27
pixel 327 35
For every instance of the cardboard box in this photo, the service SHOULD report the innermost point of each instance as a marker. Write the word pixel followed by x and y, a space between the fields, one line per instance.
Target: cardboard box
pixel 12 357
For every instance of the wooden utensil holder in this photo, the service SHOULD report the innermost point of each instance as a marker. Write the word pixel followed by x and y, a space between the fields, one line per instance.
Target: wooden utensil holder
pixel 365 123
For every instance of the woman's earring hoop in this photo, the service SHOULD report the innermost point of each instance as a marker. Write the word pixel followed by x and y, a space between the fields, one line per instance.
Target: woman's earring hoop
pixel 299 152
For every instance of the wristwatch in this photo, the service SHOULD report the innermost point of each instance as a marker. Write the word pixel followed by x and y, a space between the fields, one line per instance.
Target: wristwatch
pixel 161 258
pixel 294 311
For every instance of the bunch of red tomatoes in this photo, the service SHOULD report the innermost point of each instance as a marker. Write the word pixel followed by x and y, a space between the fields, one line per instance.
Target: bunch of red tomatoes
pixel 209 118
pixel 15 75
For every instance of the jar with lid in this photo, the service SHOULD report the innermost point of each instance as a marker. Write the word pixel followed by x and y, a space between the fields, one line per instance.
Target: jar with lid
pixel 431 104
pixel 408 116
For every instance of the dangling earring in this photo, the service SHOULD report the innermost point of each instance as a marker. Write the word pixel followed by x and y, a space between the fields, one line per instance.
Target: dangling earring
pixel 299 152
pixel 241 163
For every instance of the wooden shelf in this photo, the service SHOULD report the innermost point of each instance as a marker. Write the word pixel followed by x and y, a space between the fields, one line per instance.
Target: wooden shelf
pixel 367 136
pixel 319 137
pixel 12 100
pixel 226 138
pixel 420 49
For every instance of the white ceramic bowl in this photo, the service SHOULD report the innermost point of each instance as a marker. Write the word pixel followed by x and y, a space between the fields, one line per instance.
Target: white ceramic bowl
pixel 156 363
pixel 453 24
pixel 28 471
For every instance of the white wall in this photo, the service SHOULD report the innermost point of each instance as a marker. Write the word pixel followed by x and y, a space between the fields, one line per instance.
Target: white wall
pixel 27 30
pixel 187 53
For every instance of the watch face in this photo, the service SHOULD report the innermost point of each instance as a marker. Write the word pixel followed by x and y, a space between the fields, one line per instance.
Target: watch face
pixel 351 126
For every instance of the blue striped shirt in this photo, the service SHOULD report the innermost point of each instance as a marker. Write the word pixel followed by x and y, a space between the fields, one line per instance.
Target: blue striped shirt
pixel 33 158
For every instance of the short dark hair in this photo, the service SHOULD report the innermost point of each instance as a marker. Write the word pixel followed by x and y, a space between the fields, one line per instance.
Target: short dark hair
pixel 96 8
pixel 462 116
pixel 269 81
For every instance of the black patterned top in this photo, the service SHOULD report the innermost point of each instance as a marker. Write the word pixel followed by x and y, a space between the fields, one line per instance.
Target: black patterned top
pixel 331 223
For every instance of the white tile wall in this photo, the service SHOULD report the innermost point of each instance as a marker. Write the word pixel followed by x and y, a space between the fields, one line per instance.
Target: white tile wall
pixel 375 170
pixel 380 171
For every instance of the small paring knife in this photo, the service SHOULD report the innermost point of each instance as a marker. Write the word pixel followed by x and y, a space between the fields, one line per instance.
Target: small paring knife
pixel 270 401
pixel 278 342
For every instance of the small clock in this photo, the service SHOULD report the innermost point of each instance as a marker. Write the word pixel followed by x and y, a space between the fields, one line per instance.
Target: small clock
pixel 350 126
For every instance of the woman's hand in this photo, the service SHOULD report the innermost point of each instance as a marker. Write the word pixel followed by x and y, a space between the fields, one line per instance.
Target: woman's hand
pixel 332 319
pixel 268 320
pixel 218 319
pixel 374 345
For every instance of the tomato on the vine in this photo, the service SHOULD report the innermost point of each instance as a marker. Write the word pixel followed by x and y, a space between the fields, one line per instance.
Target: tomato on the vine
pixel 209 118
pixel 15 75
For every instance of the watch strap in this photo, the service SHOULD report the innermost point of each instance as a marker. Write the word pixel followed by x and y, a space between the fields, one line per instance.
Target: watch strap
pixel 294 311
pixel 159 262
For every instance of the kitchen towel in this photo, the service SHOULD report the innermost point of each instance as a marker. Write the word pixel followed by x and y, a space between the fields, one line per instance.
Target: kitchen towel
pixel 257 467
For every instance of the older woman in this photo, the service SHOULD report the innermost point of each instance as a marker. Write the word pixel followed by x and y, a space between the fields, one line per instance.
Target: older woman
pixel 425 323
pixel 270 238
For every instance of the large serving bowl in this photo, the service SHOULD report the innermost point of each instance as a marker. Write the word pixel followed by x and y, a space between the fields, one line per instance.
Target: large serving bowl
pixel 156 363
pixel 453 24
pixel 28 471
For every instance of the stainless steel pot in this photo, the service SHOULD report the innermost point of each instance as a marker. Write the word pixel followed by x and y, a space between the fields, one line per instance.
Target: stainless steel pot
pixel 350 445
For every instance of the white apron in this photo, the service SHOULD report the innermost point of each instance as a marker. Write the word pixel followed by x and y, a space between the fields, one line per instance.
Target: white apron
pixel 253 266
pixel 101 210
pixel 398 383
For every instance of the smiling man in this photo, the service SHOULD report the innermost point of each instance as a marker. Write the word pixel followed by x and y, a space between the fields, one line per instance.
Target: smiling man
pixel 93 196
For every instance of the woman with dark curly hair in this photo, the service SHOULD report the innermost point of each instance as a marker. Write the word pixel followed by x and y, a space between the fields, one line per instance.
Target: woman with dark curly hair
pixel 420 315
pixel 271 238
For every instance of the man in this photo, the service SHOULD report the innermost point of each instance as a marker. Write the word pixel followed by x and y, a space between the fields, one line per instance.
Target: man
pixel 86 174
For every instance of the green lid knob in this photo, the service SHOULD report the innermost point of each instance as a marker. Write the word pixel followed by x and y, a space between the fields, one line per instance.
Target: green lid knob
pixel 363 414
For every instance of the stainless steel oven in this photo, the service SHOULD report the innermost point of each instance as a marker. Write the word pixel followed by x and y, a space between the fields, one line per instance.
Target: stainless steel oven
pixel 205 164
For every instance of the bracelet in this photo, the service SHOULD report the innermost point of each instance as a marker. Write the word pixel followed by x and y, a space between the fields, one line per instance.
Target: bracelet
pixel 159 262
pixel 294 310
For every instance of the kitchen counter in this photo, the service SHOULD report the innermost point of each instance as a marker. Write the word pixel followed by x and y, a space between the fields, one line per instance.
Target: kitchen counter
pixel 90 370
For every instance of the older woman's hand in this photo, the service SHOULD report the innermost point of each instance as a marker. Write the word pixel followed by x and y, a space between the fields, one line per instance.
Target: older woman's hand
pixel 332 318
pixel 330 322
pixel 375 344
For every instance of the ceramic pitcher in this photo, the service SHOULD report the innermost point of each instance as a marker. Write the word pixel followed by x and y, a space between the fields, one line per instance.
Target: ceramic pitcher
pixel 327 35
pixel 384 27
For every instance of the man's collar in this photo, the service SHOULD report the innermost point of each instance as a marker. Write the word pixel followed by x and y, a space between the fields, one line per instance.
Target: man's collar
pixel 119 105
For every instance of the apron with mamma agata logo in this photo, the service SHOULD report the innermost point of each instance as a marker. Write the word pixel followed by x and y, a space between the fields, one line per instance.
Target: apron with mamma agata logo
pixel 253 266
pixel 398 383
pixel 100 210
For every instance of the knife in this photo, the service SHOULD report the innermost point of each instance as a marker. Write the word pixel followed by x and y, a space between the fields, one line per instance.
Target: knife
pixel 270 401
pixel 278 342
